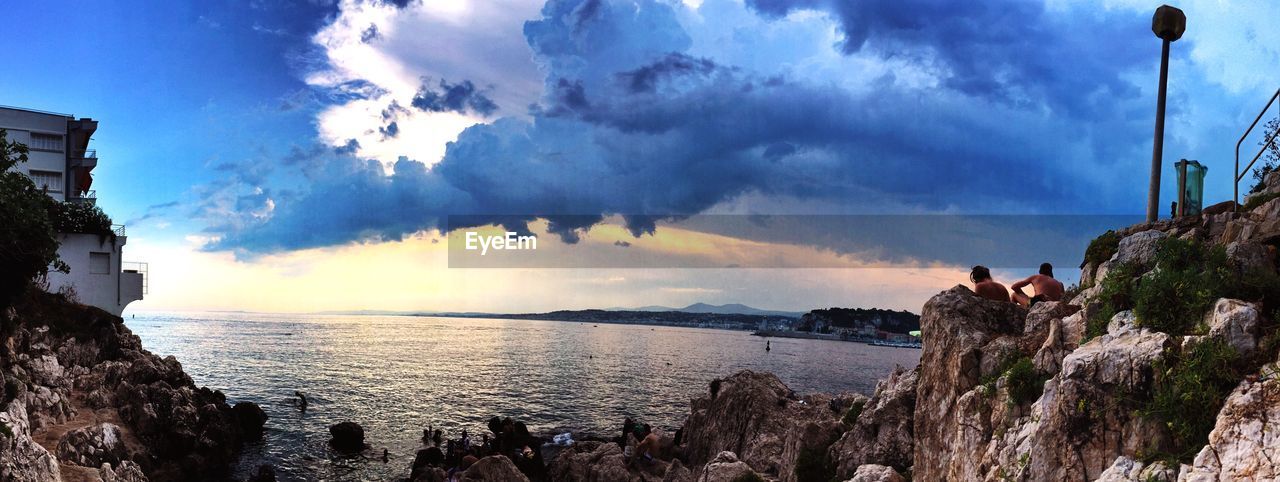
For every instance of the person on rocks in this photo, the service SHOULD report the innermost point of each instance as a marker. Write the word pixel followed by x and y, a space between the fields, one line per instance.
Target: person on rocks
pixel 1047 288
pixel 986 287
pixel 628 426
pixel 302 401
pixel 438 438
pixel 647 450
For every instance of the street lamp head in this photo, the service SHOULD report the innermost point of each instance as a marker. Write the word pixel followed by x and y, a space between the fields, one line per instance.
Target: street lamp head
pixel 1169 23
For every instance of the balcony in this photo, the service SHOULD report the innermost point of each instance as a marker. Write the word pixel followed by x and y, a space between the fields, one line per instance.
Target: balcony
pixel 138 272
pixel 89 197
pixel 89 159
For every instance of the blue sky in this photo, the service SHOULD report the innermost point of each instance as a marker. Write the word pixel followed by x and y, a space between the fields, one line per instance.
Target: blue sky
pixel 245 131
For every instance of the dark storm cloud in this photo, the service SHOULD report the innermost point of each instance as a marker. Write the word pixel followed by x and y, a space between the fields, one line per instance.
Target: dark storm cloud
pixel 462 97
pixel 1013 51
pixel 631 124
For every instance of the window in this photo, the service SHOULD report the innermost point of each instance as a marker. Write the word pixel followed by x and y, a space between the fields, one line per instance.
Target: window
pixel 46 142
pixel 51 180
pixel 99 263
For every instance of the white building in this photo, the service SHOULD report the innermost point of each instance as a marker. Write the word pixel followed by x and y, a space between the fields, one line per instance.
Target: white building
pixel 61 162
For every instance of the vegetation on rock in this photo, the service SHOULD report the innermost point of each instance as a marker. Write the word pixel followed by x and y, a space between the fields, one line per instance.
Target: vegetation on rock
pixel 1102 248
pixel 1188 390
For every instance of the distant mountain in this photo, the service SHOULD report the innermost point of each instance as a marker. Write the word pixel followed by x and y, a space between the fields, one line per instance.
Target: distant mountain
pixel 729 309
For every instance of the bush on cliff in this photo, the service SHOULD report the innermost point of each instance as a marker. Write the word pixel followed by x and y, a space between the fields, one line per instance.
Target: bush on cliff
pixel 1116 295
pixel 1188 390
pixel 28 246
pixel 1102 248
pixel 1189 277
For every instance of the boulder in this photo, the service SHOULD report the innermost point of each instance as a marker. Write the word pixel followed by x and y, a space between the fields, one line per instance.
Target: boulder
pixel 726 467
pixel 1251 257
pixel 882 433
pixel 93 446
pixel 751 415
pixel 251 418
pixel 957 327
pixel 347 437
pixel 494 468
pixel 21 458
pixel 264 473
pixel 1139 248
pixel 1126 469
pixel 590 462
pixel 1236 322
pixel 128 471
pixel 876 473
pixel 1245 441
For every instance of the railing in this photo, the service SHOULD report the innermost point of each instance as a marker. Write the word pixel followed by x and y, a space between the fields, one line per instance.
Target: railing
pixel 118 229
pixel 1271 137
pixel 138 267
pixel 88 197
pixel 90 154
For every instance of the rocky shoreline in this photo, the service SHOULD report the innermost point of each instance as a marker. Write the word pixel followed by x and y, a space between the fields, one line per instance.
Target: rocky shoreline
pixel 83 401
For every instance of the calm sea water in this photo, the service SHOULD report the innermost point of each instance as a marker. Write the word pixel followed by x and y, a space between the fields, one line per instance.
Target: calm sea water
pixel 395 375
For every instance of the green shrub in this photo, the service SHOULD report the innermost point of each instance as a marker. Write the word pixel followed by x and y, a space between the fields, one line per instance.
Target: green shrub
pixel 1116 295
pixel 76 217
pixel 1189 277
pixel 1188 390
pixel 1024 382
pixel 1258 200
pixel 851 415
pixel 1102 248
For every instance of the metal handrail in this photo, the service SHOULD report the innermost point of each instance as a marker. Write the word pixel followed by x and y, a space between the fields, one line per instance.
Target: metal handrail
pixel 1270 139
pixel 90 154
pixel 118 229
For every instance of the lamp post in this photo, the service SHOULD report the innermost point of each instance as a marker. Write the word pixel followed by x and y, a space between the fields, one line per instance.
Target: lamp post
pixel 1168 23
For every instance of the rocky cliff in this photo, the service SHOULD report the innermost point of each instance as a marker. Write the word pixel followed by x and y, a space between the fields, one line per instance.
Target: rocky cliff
pixel 1162 367
pixel 82 400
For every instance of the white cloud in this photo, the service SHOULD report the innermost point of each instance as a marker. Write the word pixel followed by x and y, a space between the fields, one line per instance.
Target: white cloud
pixel 457 40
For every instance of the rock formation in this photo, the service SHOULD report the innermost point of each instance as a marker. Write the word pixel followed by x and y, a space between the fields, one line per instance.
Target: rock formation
pixel 79 382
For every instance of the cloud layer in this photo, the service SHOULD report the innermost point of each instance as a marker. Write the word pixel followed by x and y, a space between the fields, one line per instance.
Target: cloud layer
pixel 937 107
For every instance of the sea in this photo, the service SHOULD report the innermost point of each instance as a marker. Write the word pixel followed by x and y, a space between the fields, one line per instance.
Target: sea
pixel 397 375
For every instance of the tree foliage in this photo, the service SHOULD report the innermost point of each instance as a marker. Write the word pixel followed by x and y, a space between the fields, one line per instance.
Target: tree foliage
pixel 28 245
pixel 1271 159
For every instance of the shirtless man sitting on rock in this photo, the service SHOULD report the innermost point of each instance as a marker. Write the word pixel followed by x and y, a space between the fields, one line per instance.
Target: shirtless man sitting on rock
pixel 986 287
pixel 1047 288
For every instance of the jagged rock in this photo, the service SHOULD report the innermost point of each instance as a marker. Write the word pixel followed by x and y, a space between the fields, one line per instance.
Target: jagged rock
pixel 44 370
pixel 1245 441
pixel 882 433
pixel 251 418
pixel 494 468
pixel 347 436
pixel 46 406
pixel 1236 322
pixel 750 415
pixel 807 438
pixel 957 326
pixel 1063 336
pixel 1126 469
pixel 21 458
pixel 93 446
pixel 725 467
pixel 1250 257
pixel 589 462
pixel 677 472
pixel 265 473
pixel 126 471
pixel 1139 248
pixel 875 473
pixel 1074 430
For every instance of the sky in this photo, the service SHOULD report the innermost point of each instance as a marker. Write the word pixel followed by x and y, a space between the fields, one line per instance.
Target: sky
pixel 310 155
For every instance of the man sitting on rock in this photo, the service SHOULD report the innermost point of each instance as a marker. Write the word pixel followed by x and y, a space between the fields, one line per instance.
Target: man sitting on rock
pixel 986 287
pixel 1047 288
